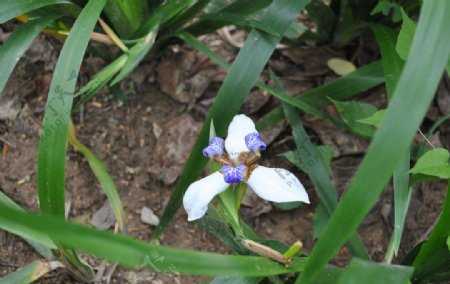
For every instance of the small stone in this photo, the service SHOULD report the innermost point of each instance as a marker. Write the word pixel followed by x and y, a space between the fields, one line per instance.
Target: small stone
pixel 104 217
pixel 148 217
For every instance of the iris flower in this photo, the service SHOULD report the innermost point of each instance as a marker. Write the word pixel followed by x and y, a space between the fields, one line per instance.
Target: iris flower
pixel 239 164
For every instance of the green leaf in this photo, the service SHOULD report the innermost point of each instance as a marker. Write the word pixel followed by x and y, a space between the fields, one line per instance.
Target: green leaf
pixel 101 172
pixel 137 53
pixel 11 9
pixel 100 80
pixel 361 271
pixel 405 37
pixel 433 257
pixel 419 80
pixel 361 80
pixel 326 154
pixel 351 112
pixel 317 170
pixel 30 272
pixel 41 243
pixel 236 280
pixel 131 253
pixel 53 143
pixel 392 67
pixel 240 79
pixel 375 119
pixel 320 220
pixel 433 163
pixel 385 7
pixel 125 16
pixel 17 43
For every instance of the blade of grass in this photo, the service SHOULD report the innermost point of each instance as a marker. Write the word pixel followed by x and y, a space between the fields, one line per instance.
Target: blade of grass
pixel 99 81
pixel 17 43
pixel 123 16
pixel 132 253
pixel 138 52
pixel 11 9
pixel 41 243
pixel 243 8
pixel 360 271
pixel 419 79
pixel 240 79
pixel 317 171
pixel 392 66
pixel 53 141
pixel 101 172
pixel 30 272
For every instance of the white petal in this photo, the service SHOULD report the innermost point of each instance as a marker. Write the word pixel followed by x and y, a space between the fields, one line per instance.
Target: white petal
pixel 200 193
pixel 240 126
pixel 277 185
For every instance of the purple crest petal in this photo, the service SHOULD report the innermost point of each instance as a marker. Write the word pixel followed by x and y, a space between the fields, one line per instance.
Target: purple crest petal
pixel 215 147
pixel 233 174
pixel 254 142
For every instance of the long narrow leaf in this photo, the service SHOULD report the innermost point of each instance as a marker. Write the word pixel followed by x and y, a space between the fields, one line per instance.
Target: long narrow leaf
pixel 240 79
pixel 30 272
pixel 317 171
pixel 360 271
pixel 17 43
pixel 53 141
pixel 392 66
pixel 41 243
pixel 412 96
pixel 11 9
pixel 132 253
pixel 101 172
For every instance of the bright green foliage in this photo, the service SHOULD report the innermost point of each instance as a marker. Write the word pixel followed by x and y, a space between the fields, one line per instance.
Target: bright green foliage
pixel 405 36
pixel 351 112
pixel 375 120
pixel 433 163
pixel 361 271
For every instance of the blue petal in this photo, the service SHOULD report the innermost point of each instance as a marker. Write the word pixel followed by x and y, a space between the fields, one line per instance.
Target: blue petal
pixel 215 147
pixel 233 174
pixel 254 142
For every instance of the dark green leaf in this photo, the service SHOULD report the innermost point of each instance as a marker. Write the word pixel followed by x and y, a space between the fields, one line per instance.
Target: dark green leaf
pixel 351 112
pixel 11 9
pixel 17 43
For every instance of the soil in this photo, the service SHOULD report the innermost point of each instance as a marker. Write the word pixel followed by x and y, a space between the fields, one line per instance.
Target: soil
pixel 145 141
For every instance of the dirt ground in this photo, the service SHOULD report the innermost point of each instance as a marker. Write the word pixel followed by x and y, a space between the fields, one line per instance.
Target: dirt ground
pixel 145 140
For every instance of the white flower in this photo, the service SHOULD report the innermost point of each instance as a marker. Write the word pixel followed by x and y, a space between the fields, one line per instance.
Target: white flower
pixel 242 146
